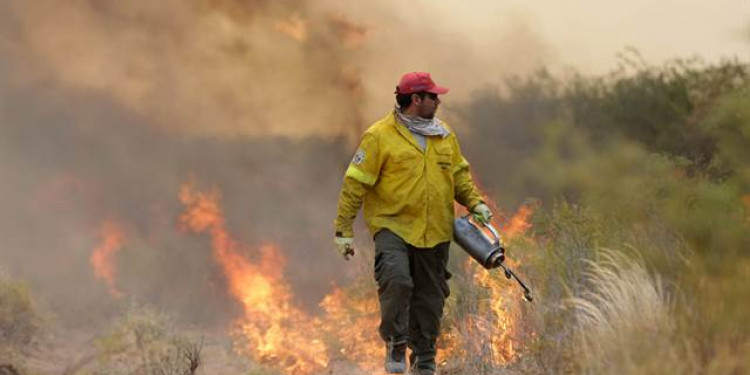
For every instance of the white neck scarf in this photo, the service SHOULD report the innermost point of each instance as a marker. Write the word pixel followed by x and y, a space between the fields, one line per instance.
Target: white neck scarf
pixel 420 125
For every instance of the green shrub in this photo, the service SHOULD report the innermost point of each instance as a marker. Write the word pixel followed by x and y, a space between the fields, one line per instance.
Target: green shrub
pixel 20 325
pixel 19 321
pixel 141 344
pixel 653 158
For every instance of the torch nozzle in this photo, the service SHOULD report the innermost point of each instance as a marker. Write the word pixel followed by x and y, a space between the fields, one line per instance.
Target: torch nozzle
pixel 526 291
pixel 527 296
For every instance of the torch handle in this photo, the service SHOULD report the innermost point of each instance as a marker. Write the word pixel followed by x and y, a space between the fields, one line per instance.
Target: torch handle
pixel 498 240
pixel 494 233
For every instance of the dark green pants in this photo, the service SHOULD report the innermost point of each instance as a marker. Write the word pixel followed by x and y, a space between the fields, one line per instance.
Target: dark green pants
pixel 412 287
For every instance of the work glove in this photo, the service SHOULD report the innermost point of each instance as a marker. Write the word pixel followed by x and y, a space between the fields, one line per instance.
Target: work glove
pixel 345 246
pixel 482 213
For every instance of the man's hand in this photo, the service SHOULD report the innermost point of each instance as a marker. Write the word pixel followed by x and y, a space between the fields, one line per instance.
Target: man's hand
pixel 482 213
pixel 345 246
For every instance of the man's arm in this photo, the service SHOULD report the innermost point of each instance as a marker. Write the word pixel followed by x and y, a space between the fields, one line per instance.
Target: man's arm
pixel 362 173
pixel 350 200
pixel 466 191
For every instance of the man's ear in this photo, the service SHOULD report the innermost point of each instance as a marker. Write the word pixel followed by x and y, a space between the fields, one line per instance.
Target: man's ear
pixel 416 99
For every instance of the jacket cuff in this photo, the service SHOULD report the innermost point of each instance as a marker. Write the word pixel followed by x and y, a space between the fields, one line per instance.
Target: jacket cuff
pixel 344 233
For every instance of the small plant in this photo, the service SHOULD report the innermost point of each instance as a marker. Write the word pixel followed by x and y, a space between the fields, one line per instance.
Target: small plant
pixel 180 357
pixel 8 370
pixel 139 328
pixel 142 345
pixel 20 325
pixel 19 322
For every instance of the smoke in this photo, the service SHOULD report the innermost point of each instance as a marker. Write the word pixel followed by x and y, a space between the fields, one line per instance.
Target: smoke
pixel 202 67
pixel 249 68
pixel 107 108
pixel 68 176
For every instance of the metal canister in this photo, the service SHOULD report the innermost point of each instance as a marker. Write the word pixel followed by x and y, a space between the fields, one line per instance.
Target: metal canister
pixel 484 250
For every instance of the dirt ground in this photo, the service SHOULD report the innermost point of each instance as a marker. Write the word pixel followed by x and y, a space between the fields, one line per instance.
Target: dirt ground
pixel 70 353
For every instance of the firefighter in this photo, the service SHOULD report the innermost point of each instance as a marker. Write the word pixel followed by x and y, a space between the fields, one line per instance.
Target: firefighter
pixel 407 172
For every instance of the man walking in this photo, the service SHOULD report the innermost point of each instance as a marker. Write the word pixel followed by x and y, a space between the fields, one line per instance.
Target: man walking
pixel 407 172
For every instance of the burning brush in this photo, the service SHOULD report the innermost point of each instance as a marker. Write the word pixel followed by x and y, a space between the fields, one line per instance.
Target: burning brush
pixel 489 254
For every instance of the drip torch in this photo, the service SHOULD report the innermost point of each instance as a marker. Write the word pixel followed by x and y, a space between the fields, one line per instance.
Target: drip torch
pixel 490 254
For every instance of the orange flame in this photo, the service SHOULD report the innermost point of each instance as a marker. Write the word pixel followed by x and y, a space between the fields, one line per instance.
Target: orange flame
pixel 271 331
pixel 519 224
pixel 497 324
pixel 103 256
pixel 354 318
pixel 493 325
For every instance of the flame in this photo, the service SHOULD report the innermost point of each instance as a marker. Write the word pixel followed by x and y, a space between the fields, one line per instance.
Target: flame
pixel 493 325
pixel 498 322
pixel 502 300
pixel 519 224
pixel 354 318
pixel 103 256
pixel 272 331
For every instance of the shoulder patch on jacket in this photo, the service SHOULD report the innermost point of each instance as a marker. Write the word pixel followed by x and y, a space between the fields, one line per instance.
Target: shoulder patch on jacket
pixel 359 157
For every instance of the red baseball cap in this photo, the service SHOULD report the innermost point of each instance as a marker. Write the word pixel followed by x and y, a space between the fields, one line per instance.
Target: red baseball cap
pixel 418 81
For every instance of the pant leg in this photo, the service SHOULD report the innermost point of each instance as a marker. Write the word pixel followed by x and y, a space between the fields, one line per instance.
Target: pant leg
pixel 428 299
pixel 394 285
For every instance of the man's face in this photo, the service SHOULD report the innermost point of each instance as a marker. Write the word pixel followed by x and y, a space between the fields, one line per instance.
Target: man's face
pixel 427 106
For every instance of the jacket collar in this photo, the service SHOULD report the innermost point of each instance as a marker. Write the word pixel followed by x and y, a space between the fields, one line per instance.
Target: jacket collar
pixel 405 133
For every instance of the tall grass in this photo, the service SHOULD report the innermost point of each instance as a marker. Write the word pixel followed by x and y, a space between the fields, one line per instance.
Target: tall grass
pixel 624 322
pixel 653 158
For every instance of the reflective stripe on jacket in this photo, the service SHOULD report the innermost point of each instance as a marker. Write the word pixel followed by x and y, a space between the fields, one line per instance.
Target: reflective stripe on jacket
pixel 405 189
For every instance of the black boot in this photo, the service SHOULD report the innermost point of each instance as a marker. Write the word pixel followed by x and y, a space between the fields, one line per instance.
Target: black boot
pixel 395 357
pixel 422 365
pixel 414 370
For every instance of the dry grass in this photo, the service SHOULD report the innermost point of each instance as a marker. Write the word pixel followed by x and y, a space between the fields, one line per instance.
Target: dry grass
pixel 625 323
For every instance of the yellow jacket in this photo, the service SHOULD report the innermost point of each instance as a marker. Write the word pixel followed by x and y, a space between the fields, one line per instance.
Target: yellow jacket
pixel 405 189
